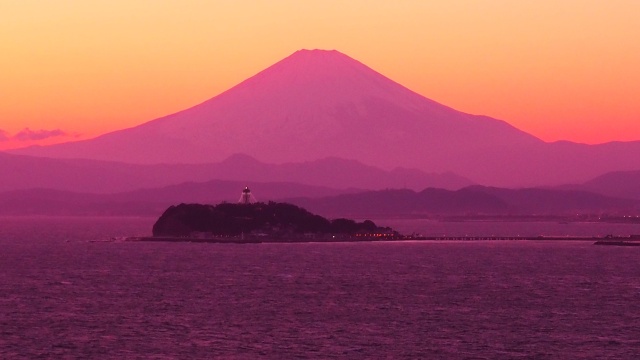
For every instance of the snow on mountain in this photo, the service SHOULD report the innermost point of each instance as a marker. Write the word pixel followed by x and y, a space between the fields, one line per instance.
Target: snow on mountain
pixel 316 104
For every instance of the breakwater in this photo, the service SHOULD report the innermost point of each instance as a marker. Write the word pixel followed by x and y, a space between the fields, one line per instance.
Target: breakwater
pixel 609 240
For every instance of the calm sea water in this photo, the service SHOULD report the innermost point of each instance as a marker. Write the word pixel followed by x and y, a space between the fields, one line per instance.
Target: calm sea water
pixel 64 297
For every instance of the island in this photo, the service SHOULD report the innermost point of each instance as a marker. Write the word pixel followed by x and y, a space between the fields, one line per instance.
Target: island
pixel 276 222
pixel 260 222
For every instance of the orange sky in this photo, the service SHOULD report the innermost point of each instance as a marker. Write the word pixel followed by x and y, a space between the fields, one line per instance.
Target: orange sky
pixel 558 69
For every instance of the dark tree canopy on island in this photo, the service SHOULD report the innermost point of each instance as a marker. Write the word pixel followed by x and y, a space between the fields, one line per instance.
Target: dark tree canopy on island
pixel 276 219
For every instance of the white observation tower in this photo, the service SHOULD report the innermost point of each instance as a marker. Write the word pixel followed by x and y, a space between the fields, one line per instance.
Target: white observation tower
pixel 246 197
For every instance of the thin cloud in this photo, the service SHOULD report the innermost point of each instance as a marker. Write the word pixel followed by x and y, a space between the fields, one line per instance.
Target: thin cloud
pixel 4 136
pixel 31 135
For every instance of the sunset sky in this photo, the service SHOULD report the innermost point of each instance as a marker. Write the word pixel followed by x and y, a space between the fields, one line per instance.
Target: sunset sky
pixel 560 70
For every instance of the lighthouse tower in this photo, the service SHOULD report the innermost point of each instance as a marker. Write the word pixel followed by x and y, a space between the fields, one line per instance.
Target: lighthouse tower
pixel 246 197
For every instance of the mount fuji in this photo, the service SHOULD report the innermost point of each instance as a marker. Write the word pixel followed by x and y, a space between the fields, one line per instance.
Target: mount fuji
pixel 316 104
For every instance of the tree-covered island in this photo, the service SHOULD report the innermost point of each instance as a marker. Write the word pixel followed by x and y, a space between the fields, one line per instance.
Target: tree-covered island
pixel 270 220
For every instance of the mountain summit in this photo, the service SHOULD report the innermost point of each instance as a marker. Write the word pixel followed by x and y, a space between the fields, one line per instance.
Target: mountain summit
pixel 316 104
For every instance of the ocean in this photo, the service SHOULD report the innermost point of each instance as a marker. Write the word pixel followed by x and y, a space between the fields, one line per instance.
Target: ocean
pixel 63 296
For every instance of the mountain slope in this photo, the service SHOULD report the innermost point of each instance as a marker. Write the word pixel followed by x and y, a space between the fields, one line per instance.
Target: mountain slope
pixel 316 104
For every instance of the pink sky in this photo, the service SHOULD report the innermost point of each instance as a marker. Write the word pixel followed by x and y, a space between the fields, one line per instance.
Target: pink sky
pixel 558 70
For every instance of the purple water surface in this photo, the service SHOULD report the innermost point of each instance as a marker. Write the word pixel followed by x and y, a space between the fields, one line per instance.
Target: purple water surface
pixel 64 297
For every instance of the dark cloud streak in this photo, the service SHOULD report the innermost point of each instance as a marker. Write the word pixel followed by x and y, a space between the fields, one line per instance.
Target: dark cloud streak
pixel 31 135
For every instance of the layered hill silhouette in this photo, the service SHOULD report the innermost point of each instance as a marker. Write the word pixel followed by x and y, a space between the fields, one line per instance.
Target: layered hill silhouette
pixel 621 184
pixel 469 201
pixel 317 104
pixel 94 176
pixel 145 202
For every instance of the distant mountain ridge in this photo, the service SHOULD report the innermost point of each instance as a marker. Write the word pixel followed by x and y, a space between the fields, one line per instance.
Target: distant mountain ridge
pixel 319 104
pixel 621 184
pixel 145 202
pixel 337 173
pixel 24 172
pixel 469 201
